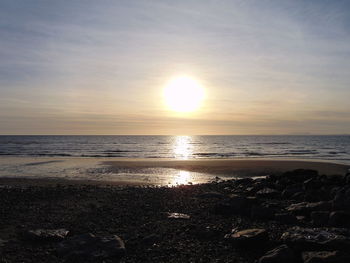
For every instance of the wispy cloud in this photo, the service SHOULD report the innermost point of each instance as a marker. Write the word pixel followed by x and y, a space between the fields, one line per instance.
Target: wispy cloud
pixel 265 65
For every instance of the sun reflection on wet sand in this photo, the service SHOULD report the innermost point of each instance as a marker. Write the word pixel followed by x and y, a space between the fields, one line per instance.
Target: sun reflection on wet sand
pixel 182 147
pixel 183 177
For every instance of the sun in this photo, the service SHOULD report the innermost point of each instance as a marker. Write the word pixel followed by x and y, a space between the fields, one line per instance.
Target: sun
pixel 183 94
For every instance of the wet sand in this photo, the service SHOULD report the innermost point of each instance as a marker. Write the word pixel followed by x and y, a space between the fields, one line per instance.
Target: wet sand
pixel 131 172
pixel 43 182
pixel 241 167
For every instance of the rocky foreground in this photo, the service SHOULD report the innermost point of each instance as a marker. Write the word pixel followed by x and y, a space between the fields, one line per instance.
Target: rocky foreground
pixel 298 216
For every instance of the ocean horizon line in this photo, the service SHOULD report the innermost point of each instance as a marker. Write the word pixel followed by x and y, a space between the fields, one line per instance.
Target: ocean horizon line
pixel 176 134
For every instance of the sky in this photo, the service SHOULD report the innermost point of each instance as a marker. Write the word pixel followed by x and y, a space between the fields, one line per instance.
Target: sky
pixel 100 67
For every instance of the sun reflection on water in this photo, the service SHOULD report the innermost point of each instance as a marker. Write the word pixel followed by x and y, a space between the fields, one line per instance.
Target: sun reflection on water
pixel 182 147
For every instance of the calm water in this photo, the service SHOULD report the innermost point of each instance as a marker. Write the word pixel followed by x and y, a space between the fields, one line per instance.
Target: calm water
pixel 336 148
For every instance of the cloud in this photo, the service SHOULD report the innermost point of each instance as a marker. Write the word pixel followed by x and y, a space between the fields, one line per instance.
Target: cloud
pixel 268 67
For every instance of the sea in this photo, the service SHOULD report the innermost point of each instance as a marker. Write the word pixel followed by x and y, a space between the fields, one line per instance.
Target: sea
pixel 335 148
pixel 77 157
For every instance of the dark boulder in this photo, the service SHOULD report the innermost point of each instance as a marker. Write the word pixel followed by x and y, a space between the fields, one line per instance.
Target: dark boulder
pixel 2 242
pixel 91 248
pixel 268 193
pixel 325 257
pixel 347 178
pixel 203 232
pixel 341 199
pixel 211 195
pixel 150 240
pixel 281 254
pixel 312 183
pixel 236 204
pixel 339 219
pixel 248 237
pixel 243 181
pixel 46 234
pixel 300 196
pixel 316 238
pixel 299 175
pixel 291 190
pixel 334 191
pixel 316 195
pixel 261 212
pixel 305 208
pixel 320 218
pixel 223 208
pixel 285 218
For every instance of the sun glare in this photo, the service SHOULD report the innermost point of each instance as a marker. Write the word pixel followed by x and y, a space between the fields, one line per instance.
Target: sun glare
pixel 183 94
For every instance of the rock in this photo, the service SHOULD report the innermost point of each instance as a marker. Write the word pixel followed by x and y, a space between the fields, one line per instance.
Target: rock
pixel 150 239
pixel 315 195
pixel 299 196
pixel 321 206
pixel 336 179
pixel 278 255
pixel 262 212
pixel 285 218
pixel 2 242
pixel 251 190
pixel 305 208
pixel 262 183
pixel 247 237
pixel 46 234
pixel 341 200
pixel 347 178
pixel 223 208
pixel 339 219
pixel 235 205
pixel 291 190
pixel 204 232
pixel 91 248
pixel 298 208
pixel 268 193
pixel 320 218
pixel 301 219
pixel 316 238
pixel 178 216
pixel 243 181
pixel 334 191
pixel 325 257
pixel 300 175
pixel 312 183
pixel 211 195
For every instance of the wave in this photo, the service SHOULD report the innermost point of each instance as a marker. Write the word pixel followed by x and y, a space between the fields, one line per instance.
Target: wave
pixel 205 154
pixel 326 147
pixel 118 151
pixel 301 152
pixel 254 154
pixel 273 143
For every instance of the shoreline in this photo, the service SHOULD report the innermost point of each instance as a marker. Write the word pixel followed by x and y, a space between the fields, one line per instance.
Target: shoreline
pixel 240 166
pixel 53 182
pixel 224 168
